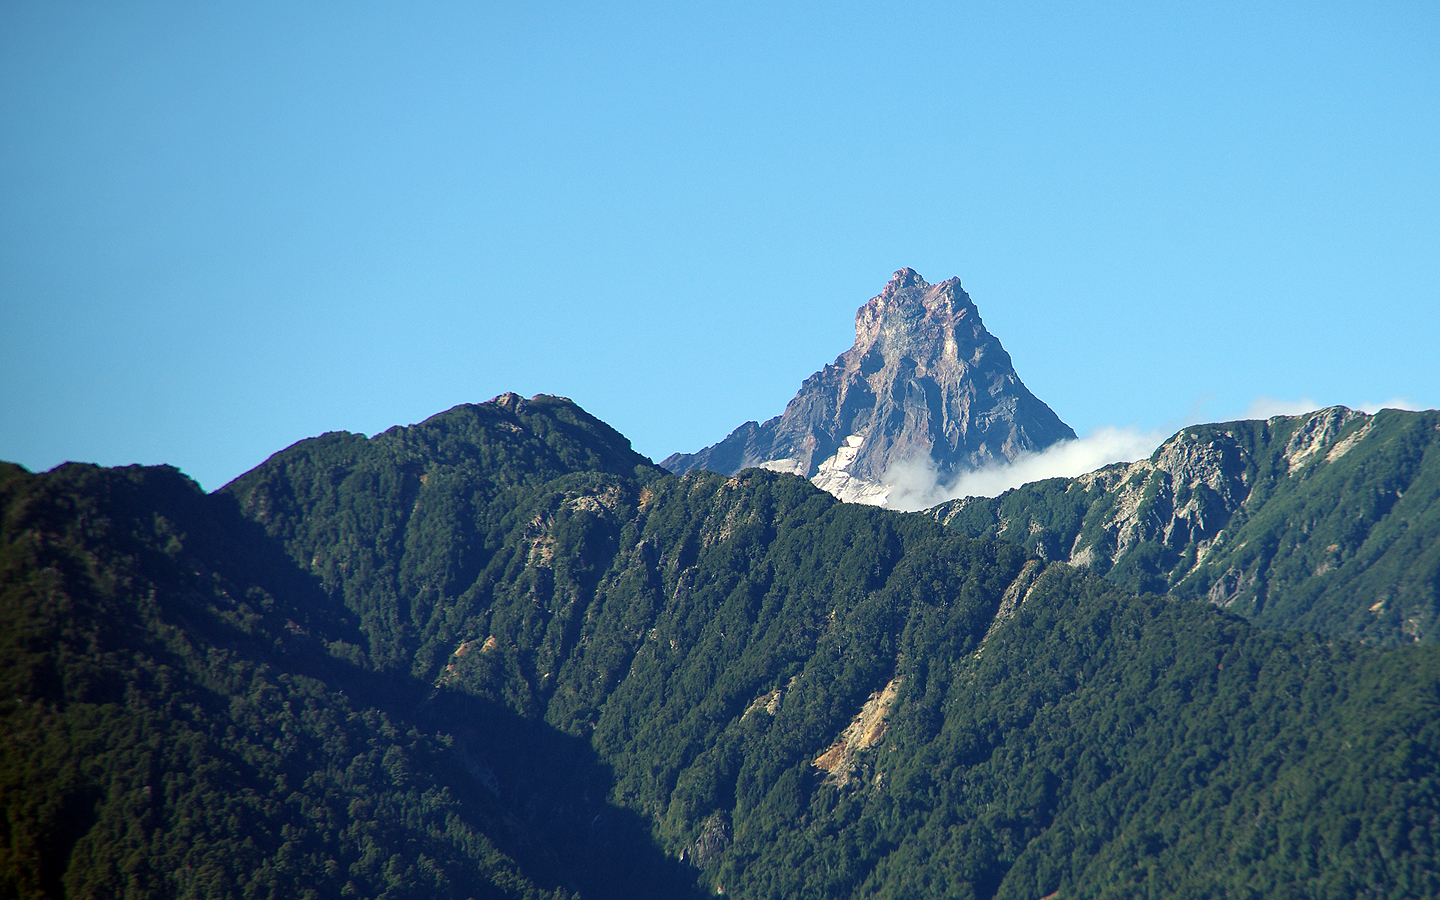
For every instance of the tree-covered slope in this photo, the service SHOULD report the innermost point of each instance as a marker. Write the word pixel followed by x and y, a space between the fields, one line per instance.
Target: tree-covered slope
pixel 1097 742
pixel 647 614
pixel 1328 522
pixel 713 638
pixel 183 717
pixel 402 523
pixel 571 672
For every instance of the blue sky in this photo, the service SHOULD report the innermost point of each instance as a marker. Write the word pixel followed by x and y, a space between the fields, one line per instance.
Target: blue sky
pixel 225 230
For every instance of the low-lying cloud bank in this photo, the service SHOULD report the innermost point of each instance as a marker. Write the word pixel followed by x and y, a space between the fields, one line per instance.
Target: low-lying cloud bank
pixel 916 485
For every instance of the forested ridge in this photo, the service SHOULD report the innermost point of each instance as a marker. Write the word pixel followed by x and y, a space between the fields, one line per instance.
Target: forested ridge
pixel 500 654
pixel 1328 521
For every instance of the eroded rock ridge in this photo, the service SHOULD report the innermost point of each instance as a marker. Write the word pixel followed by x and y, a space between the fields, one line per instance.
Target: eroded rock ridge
pixel 924 385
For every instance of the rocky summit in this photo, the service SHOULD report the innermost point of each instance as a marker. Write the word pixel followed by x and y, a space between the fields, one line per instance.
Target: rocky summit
pixel 925 387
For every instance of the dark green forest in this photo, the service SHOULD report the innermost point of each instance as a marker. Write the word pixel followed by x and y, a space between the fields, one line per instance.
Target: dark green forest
pixel 500 654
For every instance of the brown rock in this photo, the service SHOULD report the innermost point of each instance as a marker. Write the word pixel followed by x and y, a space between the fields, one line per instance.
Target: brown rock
pixel 924 379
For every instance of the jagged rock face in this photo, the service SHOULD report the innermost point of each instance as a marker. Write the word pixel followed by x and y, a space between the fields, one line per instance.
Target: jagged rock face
pixel 924 382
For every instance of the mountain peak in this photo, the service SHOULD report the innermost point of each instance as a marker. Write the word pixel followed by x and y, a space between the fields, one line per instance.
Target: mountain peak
pixel 903 279
pixel 912 316
pixel 924 383
pixel 509 400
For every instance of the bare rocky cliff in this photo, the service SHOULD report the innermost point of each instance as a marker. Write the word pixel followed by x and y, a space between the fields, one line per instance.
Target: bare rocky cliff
pixel 925 384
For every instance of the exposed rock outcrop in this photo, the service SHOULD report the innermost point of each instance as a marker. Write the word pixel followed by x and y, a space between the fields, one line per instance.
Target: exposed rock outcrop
pixel 1187 491
pixel 1325 520
pixel 924 384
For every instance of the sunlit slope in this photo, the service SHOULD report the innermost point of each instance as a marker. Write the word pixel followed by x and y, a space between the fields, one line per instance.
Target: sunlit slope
pixel 1328 522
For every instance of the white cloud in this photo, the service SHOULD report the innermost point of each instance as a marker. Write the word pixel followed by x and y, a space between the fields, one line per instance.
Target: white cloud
pixel 916 485
pixel 1392 403
pixel 1265 407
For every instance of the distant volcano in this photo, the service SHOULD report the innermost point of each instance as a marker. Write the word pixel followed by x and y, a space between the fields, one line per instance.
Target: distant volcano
pixel 924 381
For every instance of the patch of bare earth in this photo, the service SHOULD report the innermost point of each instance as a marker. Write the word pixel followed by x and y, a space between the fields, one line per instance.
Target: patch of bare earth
pixel 867 730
